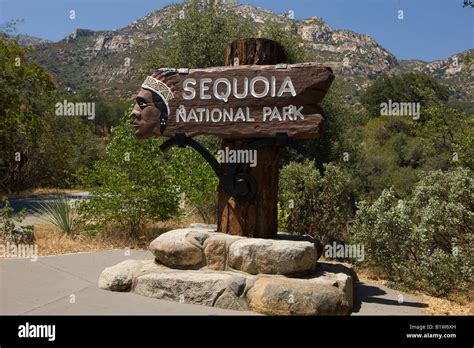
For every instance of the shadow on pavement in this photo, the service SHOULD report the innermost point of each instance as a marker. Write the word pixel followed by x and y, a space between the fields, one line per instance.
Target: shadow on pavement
pixel 372 294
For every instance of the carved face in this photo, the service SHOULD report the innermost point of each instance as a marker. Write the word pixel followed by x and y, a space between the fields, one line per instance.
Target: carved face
pixel 145 115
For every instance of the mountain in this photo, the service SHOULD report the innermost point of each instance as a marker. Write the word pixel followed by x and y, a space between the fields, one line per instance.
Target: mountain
pixel 108 59
pixel 457 72
pixel 27 40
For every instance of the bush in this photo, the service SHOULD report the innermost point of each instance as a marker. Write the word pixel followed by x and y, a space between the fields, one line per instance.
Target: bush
pixel 8 232
pixel 314 204
pixel 137 183
pixel 424 242
pixel 130 186
pixel 196 179
pixel 385 230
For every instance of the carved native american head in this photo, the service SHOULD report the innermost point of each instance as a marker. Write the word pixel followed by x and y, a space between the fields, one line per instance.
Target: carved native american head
pixel 151 111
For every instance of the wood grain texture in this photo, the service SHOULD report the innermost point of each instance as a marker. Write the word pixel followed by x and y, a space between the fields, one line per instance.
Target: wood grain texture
pixel 311 81
pixel 255 51
pixel 258 218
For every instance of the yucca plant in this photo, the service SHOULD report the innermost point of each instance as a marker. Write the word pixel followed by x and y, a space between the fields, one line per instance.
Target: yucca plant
pixel 60 212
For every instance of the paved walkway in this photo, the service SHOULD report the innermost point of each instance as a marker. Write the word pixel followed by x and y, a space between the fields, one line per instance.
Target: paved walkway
pixel 47 286
pixel 67 284
pixel 374 299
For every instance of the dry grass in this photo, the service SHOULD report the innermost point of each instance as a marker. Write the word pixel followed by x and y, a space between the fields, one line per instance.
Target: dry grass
pixel 370 276
pixel 441 306
pixel 51 241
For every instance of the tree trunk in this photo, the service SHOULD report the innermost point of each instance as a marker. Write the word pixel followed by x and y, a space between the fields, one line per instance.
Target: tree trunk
pixel 257 218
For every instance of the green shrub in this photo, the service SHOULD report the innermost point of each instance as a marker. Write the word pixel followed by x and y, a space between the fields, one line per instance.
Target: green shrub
pixel 426 241
pixel 282 218
pixel 130 186
pixel 196 179
pixel 439 272
pixel 385 229
pixel 8 220
pixel 314 204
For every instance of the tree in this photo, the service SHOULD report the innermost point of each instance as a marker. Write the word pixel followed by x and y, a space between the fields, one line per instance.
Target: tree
pixel 107 113
pixel 395 149
pixel 406 88
pixel 200 33
pixel 38 148
pixel 448 137
pixel 27 95
pixel 136 183
pixel 340 133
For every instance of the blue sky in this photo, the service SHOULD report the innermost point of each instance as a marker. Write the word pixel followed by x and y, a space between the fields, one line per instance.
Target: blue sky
pixel 430 30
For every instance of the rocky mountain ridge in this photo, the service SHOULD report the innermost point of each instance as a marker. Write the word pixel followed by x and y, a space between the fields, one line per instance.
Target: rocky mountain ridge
pixel 108 59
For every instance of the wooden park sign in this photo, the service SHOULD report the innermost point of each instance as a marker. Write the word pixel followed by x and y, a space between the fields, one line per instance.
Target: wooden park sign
pixel 241 103
pixel 244 101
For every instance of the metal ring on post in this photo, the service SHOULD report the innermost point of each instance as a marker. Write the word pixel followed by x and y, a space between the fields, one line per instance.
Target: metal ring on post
pixel 245 187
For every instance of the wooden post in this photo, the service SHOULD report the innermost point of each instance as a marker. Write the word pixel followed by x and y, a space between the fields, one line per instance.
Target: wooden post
pixel 259 217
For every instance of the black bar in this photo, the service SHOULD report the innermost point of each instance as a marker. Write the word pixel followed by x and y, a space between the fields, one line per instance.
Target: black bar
pixel 240 330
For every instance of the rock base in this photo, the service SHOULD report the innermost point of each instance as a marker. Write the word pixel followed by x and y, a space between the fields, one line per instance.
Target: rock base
pixel 273 277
